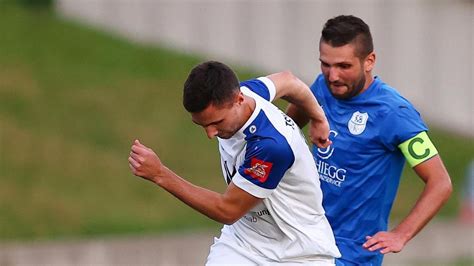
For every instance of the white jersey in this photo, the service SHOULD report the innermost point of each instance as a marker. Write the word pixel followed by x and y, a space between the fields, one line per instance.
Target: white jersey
pixel 269 158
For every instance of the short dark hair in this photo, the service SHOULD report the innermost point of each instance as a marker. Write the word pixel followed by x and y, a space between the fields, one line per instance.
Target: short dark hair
pixel 342 30
pixel 209 82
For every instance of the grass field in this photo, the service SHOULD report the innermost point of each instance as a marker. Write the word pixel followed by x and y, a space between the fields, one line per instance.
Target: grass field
pixel 73 99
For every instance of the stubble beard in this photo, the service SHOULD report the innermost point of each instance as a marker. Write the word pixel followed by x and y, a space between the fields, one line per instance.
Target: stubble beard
pixel 352 90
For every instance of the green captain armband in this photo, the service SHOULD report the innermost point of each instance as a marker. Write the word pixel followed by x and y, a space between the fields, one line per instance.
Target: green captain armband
pixel 418 149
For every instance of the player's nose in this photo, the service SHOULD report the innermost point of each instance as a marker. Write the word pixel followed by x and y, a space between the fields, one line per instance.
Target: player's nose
pixel 211 131
pixel 333 74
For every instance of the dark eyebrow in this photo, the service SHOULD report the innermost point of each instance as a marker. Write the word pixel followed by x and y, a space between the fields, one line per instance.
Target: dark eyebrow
pixel 212 123
pixel 337 64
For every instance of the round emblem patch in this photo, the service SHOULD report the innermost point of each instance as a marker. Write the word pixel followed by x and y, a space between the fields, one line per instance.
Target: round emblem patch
pixel 357 123
pixel 252 129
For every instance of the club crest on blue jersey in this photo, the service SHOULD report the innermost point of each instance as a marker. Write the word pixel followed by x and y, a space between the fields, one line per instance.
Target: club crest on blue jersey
pixel 259 169
pixel 357 123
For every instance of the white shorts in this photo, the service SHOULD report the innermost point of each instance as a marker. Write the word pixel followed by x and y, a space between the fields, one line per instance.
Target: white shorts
pixel 222 253
pixel 226 253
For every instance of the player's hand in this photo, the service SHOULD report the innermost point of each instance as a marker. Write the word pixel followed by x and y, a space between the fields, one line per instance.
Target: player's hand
pixel 385 242
pixel 319 133
pixel 144 162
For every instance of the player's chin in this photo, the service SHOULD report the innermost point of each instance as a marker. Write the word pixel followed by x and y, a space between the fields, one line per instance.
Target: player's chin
pixel 339 89
pixel 224 136
pixel 340 92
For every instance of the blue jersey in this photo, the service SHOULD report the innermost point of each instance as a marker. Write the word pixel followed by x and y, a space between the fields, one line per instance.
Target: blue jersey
pixel 360 171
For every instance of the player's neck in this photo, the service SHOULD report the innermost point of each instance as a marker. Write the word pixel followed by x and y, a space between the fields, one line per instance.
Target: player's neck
pixel 368 81
pixel 248 109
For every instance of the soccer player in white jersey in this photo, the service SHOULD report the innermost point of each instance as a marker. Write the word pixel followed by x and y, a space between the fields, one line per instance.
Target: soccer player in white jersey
pixel 272 207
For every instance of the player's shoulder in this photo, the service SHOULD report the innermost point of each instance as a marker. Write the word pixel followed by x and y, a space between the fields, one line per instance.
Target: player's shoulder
pixel 266 129
pixel 321 91
pixel 269 144
pixel 262 86
pixel 389 95
pixel 319 83
pixel 392 102
pixel 397 114
pixel 264 124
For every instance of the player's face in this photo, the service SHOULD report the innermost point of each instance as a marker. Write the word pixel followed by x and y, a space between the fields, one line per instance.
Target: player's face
pixel 346 74
pixel 221 121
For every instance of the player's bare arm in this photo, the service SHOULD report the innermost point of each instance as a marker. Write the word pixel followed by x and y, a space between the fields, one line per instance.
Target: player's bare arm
pixel 298 115
pixel 224 208
pixel 295 91
pixel 436 192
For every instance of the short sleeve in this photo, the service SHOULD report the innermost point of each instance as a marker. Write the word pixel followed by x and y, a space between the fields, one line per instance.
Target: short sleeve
pixel 266 162
pixel 401 124
pixel 316 88
pixel 262 86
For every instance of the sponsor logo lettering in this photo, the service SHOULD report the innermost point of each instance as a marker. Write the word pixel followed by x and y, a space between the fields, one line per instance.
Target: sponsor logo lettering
pixel 254 217
pixel 330 173
pixel 327 152
pixel 259 169
pixel 288 121
pixel 262 212
pixel 327 172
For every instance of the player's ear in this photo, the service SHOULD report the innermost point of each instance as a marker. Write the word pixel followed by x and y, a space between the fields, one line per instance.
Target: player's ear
pixel 240 98
pixel 369 62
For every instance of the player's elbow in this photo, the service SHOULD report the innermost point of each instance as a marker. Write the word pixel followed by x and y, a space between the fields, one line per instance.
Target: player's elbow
pixel 287 74
pixel 229 218
pixel 232 215
pixel 444 188
pixel 287 84
pixel 298 115
pixel 293 80
pixel 447 188
pixel 230 221
pixel 228 215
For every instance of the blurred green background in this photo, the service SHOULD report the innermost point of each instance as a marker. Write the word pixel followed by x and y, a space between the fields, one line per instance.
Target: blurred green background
pixel 72 100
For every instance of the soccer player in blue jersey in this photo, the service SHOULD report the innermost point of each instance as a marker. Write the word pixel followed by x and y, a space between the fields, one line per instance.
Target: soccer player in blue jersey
pixel 272 208
pixel 373 131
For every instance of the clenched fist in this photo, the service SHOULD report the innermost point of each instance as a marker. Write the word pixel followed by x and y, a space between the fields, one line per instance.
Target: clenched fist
pixel 144 162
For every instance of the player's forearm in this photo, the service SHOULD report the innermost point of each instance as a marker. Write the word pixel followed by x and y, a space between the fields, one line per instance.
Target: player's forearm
pixel 307 104
pixel 202 200
pixel 433 197
pixel 302 98
pixel 299 116
pixel 295 91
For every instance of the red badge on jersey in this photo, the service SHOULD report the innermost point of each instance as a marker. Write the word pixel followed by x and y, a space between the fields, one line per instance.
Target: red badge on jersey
pixel 259 169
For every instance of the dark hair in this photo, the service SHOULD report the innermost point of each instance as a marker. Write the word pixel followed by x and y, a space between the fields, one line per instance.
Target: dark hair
pixel 342 30
pixel 209 82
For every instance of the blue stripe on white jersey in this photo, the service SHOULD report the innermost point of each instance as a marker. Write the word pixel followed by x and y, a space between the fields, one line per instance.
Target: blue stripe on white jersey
pixel 262 86
pixel 268 155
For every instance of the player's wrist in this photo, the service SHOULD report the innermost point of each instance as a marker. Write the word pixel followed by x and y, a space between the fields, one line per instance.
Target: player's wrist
pixel 402 235
pixel 160 176
pixel 318 119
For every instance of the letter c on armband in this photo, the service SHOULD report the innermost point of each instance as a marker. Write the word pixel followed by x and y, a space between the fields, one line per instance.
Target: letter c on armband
pixel 412 152
pixel 418 149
